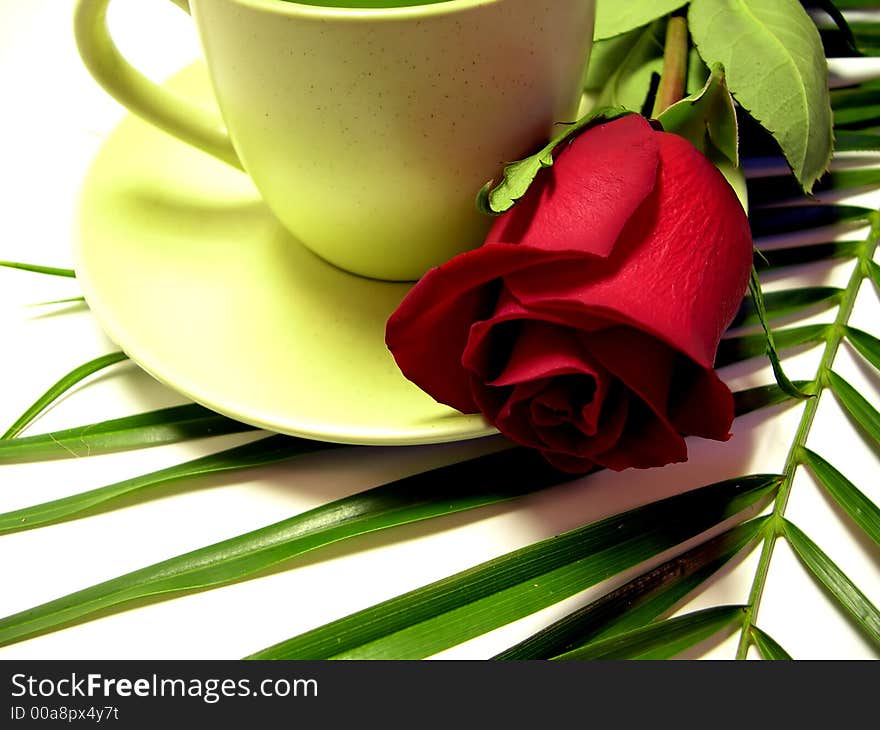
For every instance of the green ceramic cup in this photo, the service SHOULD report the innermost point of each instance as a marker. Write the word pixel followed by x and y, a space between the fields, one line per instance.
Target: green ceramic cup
pixel 368 131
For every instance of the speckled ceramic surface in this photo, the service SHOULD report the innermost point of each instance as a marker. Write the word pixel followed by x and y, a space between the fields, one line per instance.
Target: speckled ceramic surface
pixel 191 275
pixel 369 131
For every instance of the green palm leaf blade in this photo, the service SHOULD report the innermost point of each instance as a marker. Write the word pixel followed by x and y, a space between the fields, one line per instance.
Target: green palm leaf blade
pixel 873 272
pixel 66 300
pixel 661 640
pixel 862 412
pixel 862 510
pixel 841 588
pixel 761 396
pixel 797 255
pixel 153 428
pixel 867 345
pixel 257 453
pixel 857 116
pixel 60 387
pixel 736 349
pixel 36 269
pixel 766 190
pixel 445 613
pixel 864 94
pixel 788 302
pixel 639 601
pixel 849 141
pixel 482 481
pixel 791 219
pixel 768 646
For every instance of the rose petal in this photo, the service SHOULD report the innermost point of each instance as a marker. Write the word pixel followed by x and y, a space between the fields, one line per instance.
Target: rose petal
pixel 700 404
pixel 605 175
pixel 427 333
pixel 646 442
pixel 678 271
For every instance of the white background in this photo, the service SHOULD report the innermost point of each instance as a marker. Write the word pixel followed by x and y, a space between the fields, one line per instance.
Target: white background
pixel 54 118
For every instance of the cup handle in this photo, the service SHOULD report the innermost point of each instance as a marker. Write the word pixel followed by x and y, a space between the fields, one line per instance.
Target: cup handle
pixel 132 89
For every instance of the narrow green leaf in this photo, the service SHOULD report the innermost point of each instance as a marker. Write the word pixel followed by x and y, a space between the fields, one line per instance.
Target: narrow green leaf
pixel 782 303
pixel 760 310
pixel 52 302
pixel 753 399
pixel 455 609
pixel 154 428
pixel 772 54
pixel 857 116
pixel 661 640
pixel 862 510
pixel 482 481
pixel 615 18
pixel 50 270
pixel 795 218
pixel 707 118
pixel 841 25
pixel 873 272
pixel 770 190
pixel 639 601
pixel 257 453
pixel 862 412
pixel 797 255
pixel 846 140
pixel 841 588
pixel 495 199
pixel 737 349
pixel 768 646
pixel 867 345
pixel 61 387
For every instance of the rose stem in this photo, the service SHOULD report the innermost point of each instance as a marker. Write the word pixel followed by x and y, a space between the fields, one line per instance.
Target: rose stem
pixel 675 62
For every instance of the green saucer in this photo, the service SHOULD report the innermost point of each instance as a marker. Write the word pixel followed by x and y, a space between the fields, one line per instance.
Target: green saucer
pixel 193 278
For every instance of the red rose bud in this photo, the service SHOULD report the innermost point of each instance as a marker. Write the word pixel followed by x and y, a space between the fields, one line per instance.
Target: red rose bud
pixel 586 327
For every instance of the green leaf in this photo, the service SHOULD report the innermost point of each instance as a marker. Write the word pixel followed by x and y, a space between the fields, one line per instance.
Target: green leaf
pixel 862 510
pixel 849 141
pixel 639 601
pixel 768 646
pixel 760 310
pixel 857 116
pixel 867 345
pixel 631 83
pixel 52 302
pixel 154 428
pixel 753 399
pixel 862 412
pixel 455 609
pixel 841 588
pixel 60 387
pixel 614 18
pixel 776 69
pixel 466 485
pixel 786 302
pixel 50 270
pixel 662 640
pixel 737 349
pixel 518 176
pixel 264 451
pixel 606 57
pixel 794 218
pixel 797 255
pixel 768 190
pixel 707 119
pixel 872 271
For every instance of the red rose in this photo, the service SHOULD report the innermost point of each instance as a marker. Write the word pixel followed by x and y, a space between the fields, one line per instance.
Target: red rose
pixel 587 325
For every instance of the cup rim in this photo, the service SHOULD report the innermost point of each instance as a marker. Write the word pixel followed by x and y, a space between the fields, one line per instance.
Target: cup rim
pixel 296 9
